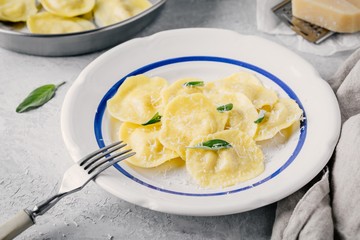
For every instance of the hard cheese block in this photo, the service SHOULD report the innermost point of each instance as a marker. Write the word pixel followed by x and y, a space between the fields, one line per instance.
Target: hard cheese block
pixel 335 15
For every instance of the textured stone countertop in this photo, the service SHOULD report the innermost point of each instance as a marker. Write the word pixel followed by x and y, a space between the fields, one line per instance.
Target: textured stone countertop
pixel 33 156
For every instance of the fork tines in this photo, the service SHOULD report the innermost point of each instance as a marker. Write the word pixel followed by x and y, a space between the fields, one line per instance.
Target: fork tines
pixel 101 159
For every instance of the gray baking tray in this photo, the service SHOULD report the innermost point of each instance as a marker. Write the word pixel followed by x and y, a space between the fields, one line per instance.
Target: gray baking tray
pixel 80 42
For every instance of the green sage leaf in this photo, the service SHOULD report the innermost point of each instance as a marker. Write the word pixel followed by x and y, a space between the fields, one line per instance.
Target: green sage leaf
pixel 214 144
pixel 156 118
pixel 225 108
pixel 194 84
pixel 38 97
pixel 260 117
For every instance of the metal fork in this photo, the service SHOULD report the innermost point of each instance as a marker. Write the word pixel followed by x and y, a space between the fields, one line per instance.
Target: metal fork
pixel 75 178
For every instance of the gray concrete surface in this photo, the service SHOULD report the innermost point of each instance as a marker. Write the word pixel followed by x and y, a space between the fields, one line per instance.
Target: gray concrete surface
pixel 33 156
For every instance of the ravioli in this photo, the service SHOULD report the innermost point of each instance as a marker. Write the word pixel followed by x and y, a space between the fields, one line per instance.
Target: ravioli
pixel 178 88
pixel 284 113
pixel 247 84
pixel 47 23
pixel 225 167
pixel 243 114
pixel 144 141
pixel 137 100
pixel 68 8
pixel 136 6
pixel 108 12
pixel 17 10
pixel 186 117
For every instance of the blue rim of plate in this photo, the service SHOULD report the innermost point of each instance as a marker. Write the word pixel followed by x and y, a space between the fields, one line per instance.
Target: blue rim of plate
pixel 111 92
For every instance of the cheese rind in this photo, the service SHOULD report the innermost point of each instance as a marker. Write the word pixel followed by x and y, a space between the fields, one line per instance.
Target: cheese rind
pixel 338 16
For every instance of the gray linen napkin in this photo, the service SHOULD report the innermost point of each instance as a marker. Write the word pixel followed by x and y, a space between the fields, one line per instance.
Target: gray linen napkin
pixel 329 206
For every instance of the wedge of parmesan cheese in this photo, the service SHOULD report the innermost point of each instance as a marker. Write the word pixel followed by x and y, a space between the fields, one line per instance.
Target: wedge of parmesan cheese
pixel 335 15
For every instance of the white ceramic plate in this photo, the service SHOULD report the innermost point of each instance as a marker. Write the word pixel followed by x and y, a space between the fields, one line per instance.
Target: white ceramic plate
pixel 208 54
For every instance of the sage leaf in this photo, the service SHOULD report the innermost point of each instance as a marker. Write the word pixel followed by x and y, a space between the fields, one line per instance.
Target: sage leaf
pixel 156 118
pixel 38 97
pixel 214 144
pixel 260 117
pixel 194 84
pixel 225 108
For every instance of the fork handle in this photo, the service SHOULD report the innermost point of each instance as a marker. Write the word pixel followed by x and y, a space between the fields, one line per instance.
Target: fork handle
pixel 16 225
